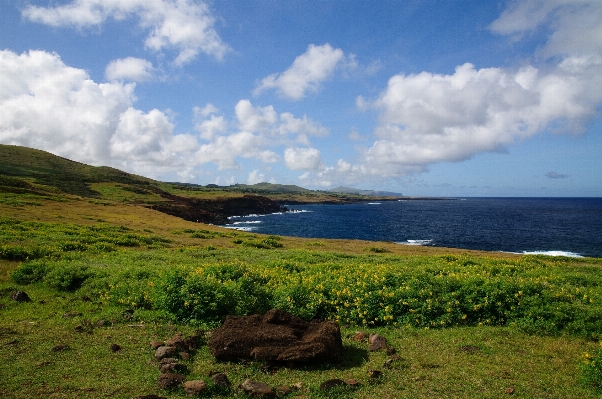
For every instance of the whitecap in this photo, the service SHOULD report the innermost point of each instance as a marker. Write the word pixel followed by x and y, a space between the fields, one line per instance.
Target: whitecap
pixel 240 228
pixel 415 242
pixel 553 253
pixel 373 203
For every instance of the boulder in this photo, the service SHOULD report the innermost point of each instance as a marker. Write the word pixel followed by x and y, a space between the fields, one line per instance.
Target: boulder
pixel 257 389
pixel 20 296
pixel 221 380
pixel 165 351
pixel 170 380
pixel 276 336
pixel 377 342
pixel 194 387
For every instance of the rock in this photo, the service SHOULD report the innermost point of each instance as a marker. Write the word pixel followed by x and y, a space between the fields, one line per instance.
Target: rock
pixel 377 342
pixel 165 351
pixel 257 389
pixel 282 390
pixel 194 387
pixel 167 360
pixel 221 380
pixel 352 382
pixel 167 368
pixel 156 344
pixel 184 355
pixel 170 380
pixel 375 373
pixel 115 348
pixel 360 336
pixel 510 391
pixel 277 336
pixel 20 296
pixel 329 384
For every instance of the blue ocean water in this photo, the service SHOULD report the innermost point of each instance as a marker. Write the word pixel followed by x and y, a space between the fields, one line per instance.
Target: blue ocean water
pixel 553 226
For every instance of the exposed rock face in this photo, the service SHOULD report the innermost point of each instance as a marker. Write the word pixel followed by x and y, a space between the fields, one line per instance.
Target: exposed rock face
pixel 216 211
pixel 276 336
pixel 377 342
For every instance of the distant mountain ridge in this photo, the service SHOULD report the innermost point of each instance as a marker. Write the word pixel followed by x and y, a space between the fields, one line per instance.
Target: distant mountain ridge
pixel 371 193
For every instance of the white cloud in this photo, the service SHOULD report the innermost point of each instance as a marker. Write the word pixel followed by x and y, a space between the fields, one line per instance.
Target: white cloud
pixel 47 105
pixel 306 73
pixel 576 24
pixel 255 177
pixel 429 118
pixel 212 126
pixel 184 25
pixel 303 159
pixel 130 68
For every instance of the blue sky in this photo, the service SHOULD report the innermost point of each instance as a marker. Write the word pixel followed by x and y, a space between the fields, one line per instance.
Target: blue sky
pixel 441 98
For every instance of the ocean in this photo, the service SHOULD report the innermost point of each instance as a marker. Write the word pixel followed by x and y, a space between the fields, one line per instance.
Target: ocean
pixel 550 226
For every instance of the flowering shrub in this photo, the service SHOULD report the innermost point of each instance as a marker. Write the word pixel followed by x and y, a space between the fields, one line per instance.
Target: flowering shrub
pixel 536 294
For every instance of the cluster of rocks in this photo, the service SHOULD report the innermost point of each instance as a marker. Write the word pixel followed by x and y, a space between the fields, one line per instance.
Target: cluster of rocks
pixel 277 338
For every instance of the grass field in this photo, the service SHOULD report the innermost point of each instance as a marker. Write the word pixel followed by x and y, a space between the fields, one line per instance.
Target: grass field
pixel 107 270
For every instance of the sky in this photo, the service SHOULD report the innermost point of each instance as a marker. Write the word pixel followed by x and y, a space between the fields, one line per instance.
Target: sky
pixel 424 98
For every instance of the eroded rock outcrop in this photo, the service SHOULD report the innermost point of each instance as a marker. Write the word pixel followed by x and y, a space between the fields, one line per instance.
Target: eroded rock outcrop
pixel 276 336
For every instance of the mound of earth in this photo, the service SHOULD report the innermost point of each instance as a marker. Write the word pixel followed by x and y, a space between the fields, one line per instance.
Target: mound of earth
pixel 276 336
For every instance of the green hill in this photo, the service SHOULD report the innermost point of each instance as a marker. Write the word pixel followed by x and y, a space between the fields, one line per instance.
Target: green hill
pixel 70 177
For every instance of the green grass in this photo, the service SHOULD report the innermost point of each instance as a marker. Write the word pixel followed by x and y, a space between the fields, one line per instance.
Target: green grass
pixel 465 324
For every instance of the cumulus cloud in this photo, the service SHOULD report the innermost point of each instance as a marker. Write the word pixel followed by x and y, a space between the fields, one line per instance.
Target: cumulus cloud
pixel 48 105
pixel 302 159
pixel 255 177
pixel 185 25
pixel 306 74
pixel 130 68
pixel 428 118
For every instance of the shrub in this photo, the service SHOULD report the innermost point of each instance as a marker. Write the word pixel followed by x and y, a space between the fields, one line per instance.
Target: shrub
pixel 67 277
pixel 30 272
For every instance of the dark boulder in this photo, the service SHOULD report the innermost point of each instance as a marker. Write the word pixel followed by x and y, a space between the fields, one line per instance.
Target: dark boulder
pixel 20 296
pixel 277 336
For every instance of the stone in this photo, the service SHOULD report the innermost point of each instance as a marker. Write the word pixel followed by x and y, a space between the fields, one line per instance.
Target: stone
pixel 170 380
pixel 276 336
pixel 194 387
pixel 165 351
pixel 156 344
pixel 221 380
pixel 360 336
pixel 167 368
pixel 375 373
pixel 20 296
pixel 329 384
pixel 184 355
pixel 257 389
pixel 115 348
pixel 510 391
pixel 377 342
